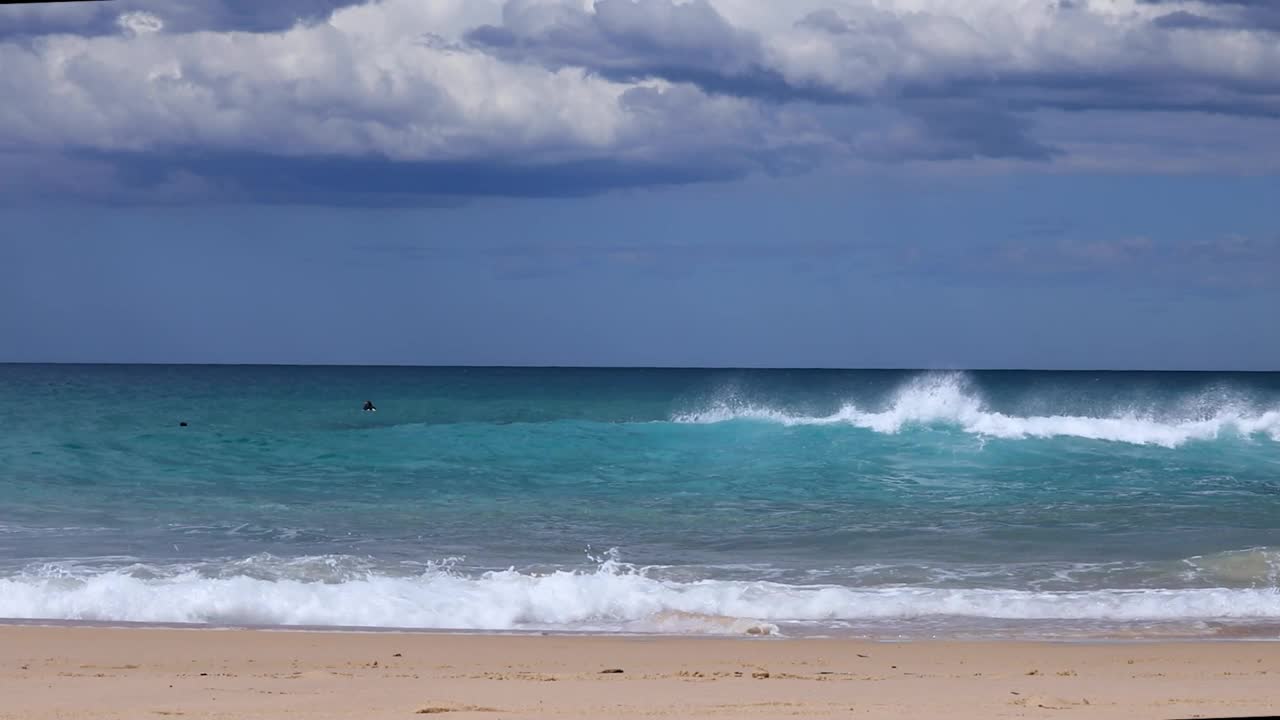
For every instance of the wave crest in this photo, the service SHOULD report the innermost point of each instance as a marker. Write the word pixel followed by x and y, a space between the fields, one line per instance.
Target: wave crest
pixel 947 399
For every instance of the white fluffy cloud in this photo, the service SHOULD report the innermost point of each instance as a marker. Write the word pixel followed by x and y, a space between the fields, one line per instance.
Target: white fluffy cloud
pixel 571 96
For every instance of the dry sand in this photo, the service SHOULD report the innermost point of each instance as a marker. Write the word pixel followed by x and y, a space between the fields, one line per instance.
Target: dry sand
pixel 77 672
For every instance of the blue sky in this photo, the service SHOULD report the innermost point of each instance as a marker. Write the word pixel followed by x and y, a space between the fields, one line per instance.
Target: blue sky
pixel 834 183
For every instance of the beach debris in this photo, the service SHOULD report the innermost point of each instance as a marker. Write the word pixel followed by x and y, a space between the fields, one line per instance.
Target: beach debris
pixel 397 655
pixel 437 709
pixel 760 674
pixel 611 671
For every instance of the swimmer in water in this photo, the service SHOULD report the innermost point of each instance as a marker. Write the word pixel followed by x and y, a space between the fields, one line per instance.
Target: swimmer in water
pixel 368 406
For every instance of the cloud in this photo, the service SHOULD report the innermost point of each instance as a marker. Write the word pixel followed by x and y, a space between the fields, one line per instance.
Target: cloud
pixel 1030 55
pixel 1185 20
pixel 399 101
pixel 101 18
pixel 633 40
pixel 337 180
pixel 324 106
pixel 958 129
pixel 1219 14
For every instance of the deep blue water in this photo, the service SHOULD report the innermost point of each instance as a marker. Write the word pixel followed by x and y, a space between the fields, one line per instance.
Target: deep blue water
pixel 869 502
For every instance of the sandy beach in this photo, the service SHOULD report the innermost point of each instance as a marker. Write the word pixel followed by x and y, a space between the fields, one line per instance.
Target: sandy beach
pixel 79 672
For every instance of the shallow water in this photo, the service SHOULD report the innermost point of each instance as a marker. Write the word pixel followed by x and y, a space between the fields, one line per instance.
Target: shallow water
pixel 690 501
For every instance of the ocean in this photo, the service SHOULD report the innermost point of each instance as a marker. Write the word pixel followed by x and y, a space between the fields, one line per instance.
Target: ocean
pixel 879 504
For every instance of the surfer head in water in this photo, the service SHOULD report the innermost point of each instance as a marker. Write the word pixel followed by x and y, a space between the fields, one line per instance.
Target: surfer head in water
pixel 368 406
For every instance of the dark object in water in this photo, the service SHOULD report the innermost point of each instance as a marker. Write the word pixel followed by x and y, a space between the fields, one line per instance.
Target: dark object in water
pixel 182 424
pixel 368 406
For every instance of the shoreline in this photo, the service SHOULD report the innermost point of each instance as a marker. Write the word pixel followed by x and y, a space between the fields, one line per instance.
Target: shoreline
pixel 96 672
pixel 1260 632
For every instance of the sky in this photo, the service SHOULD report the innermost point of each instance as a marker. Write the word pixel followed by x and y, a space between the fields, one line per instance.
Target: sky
pixel 749 183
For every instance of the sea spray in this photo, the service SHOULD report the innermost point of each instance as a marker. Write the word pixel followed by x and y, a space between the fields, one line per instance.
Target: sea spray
pixel 946 400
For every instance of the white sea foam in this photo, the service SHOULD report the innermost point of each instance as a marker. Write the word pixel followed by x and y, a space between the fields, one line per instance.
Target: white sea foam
pixel 1259 566
pixel 613 598
pixel 945 399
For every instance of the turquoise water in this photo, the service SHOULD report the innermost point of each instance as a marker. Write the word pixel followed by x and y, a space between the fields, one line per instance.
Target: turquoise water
pixel 888 504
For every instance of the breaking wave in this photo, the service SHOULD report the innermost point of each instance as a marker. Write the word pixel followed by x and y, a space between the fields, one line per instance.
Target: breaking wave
pixel 341 592
pixel 946 399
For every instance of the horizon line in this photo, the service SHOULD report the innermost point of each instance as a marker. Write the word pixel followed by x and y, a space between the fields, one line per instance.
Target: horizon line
pixel 767 368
